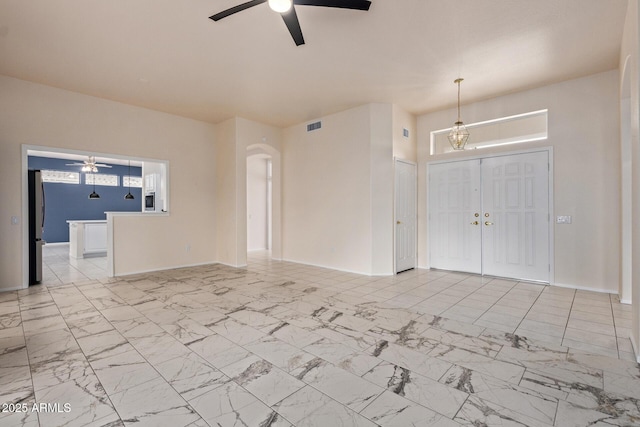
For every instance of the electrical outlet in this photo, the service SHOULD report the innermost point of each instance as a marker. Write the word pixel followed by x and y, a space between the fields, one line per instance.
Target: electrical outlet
pixel 15 220
pixel 187 248
pixel 563 219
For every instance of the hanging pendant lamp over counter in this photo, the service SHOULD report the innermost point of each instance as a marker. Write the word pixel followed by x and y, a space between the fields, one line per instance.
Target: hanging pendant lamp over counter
pixel 93 194
pixel 129 196
pixel 459 134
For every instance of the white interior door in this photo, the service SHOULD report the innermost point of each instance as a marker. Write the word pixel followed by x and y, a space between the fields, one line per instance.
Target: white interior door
pixel 515 221
pixel 406 215
pixel 455 232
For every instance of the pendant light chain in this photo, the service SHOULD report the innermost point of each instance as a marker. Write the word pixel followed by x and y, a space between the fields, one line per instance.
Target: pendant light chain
pixel 459 135
pixel 459 80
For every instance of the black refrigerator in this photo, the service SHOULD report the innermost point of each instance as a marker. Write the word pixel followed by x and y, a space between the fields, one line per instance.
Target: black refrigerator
pixel 36 225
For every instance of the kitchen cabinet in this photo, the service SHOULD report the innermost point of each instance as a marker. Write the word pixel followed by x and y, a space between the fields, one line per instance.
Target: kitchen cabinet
pixel 87 238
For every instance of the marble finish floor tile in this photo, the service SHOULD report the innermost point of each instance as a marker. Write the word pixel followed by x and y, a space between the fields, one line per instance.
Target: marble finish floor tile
pixel 309 407
pixel 80 402
pixel 279 353
pixel 413 360
pixel 503 370
pixel 70 366
pixel 231 405
pixel 527 401
pixel 345 387
pixel 191 376
pixel 262 379
pixel 478 412
pixel 121 371
pixel 283 344
pixel 392 410
pixel 422 390
pixel 153 403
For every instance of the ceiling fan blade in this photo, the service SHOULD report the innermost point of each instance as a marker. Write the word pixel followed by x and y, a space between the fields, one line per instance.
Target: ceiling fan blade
pixel 236 9
pixel 291 19
pixel 74 164
pixel 101 165
pixel 344 4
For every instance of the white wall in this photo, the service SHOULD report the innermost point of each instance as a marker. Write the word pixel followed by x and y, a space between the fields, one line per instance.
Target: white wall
pixel 229 247
pixel 39 115
pixel 381 136
pixel 584 133
pixel 629 49
pixel 337 191
pixel 404 148
pixel 257 213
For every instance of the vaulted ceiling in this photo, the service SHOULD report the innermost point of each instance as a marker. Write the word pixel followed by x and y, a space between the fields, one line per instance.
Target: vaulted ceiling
pixel 167 55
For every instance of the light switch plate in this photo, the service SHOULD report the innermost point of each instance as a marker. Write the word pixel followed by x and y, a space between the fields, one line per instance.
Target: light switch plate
pixel 563 219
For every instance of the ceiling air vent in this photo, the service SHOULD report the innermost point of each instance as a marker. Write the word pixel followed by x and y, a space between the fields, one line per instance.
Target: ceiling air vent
pixel 314 126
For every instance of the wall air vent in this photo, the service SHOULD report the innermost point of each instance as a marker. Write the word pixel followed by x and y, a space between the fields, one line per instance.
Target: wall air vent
pixel 314 126
pixel 405 132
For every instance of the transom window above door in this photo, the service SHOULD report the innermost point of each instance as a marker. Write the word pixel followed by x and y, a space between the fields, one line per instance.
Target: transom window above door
pixel 515 129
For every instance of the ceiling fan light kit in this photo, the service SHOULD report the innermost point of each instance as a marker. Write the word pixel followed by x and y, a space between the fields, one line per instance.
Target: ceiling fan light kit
pixel 89 165
pixel 280 6
pixel 287 8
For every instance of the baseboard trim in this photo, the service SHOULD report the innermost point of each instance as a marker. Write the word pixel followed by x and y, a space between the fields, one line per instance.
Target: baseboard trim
pixel 231 265
pixel 584 288
pixel 635 348
pixel 328 267
pixel 12 289
pixel 165 268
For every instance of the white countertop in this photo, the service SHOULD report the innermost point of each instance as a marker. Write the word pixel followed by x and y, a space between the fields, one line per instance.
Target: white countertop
pixel 136 213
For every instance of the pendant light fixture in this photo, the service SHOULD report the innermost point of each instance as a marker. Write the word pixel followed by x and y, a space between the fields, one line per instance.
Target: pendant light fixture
pixel 129 196
pixel 93 194
pixel 459 134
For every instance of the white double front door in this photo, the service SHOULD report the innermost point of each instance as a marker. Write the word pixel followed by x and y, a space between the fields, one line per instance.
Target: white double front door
pixel 491 216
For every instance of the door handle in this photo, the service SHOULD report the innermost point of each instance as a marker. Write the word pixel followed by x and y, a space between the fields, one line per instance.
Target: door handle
pixel 475 223
pixel 488 223
pixel 398 222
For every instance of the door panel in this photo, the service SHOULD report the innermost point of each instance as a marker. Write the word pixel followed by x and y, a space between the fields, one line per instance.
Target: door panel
pixel 406 214
pixel 454 199
pixel 516 216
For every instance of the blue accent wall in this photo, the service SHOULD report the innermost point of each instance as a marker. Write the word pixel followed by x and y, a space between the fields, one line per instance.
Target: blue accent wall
pixel 71 201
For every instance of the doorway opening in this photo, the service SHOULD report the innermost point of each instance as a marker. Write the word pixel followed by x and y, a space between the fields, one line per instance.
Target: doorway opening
pixel 74 229
pixel 263 203
pixel 259 202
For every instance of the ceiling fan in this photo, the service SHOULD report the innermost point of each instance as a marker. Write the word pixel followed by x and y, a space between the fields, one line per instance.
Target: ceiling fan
pixel 89 165
pixel 287 9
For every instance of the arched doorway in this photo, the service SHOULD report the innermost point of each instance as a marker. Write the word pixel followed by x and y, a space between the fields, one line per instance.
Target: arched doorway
pixel 259 202
pixel 263 199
